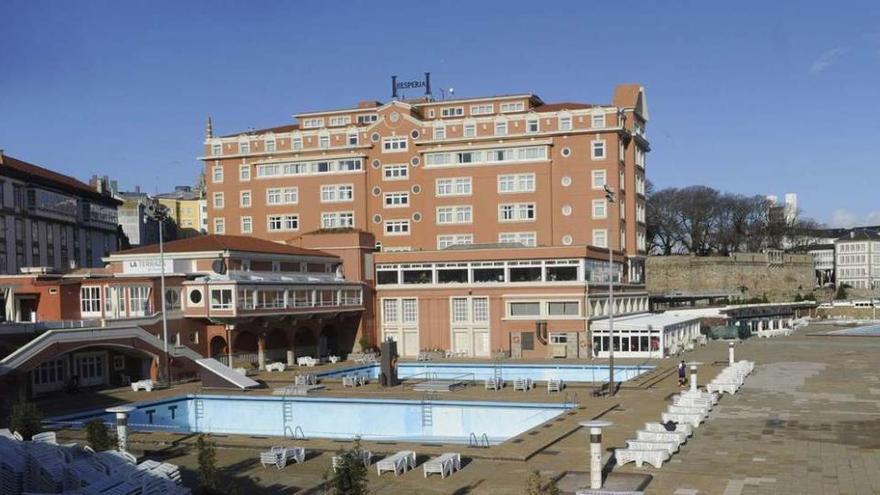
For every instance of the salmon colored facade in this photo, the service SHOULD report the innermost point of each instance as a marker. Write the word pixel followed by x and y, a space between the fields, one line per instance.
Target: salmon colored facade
pixel 508 180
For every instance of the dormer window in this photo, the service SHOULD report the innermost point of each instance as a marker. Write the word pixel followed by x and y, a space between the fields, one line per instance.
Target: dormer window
pixel 516 106
pixel 599 121
pixel 453 111
pixel 340 120
pixel 312 123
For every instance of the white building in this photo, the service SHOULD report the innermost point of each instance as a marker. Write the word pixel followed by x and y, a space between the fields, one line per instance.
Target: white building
pixel 823 262
pixel 857 258
pixel 646 335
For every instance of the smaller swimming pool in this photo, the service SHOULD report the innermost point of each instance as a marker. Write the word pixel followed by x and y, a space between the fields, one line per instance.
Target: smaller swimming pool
pixel 865 331
pixel 442 421
pixel 508 371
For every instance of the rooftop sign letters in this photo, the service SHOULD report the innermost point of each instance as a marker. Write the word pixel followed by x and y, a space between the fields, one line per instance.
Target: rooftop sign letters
pixel 412 84
pixel 147 267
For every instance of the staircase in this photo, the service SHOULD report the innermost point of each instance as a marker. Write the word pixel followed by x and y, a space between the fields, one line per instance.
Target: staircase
pixel 199 410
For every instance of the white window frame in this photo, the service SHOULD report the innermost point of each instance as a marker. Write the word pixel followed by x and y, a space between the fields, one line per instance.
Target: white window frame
pixel 452 112
pixel 395 144
pixel 529 239
pixel 247 225
pixel 599 209
pixel 282 222
pixel 241 198
pixel 90 301
pixel 244 148
pixel 565 123
pixel 521 183
pixel 446 240
pixel 603 233
pixel 312 123
pixel 456 215
pixel 216 149
pixel 337 193
pixel 518 212
pixel 397 227
pixel 219 225
pixel 512 106
pixel 337 219
pixel 537 122
pixel 595 175
pixel 217 174
pixel 598 121
pixel 501 128
pixel 596 145
pixel 351 138
pixel 283 194
pixel 324 141
pixel 396 199
pixel 244 173
pixel 457 186
pixel 218 200
pixel 395 169
pixel 483 109
pixel 340 120
pixel 439 132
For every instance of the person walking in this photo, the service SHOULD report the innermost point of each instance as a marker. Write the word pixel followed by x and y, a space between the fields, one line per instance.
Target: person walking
pixel 682 373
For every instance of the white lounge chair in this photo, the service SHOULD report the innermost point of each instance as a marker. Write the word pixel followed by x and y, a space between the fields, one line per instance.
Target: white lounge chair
pixel 678 437
pixel 241 371
pixel 493 383
pixel 445 465
pixel 671 447
pixel 524 384
pixel 399 462
pixel 702 411
pixel 366 458
pixel 652 457
pixel 555 385
pixel 691 419
pixel 704 402
pixel 45 437
pixel 306 361
pixel 727 388
pixel 281 456
pixel 679 428
pixel 147 385
pixel 333 359
pixel 277 366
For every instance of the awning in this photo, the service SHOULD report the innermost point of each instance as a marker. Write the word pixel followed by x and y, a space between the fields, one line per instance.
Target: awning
pixel 644 321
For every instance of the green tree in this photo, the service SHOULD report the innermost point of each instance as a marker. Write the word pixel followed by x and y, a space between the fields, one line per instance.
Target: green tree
pixel 207 458
pixel 538 485
pixel 841 292
pixel 350 476
pixel 98 436
pixel 26 418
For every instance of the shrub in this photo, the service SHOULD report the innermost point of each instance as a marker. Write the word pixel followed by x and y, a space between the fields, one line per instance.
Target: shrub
pixel 98 436
pixel 207 458
pixel 26 418
pixel 350 477
pixel 538 485
pixel 841 292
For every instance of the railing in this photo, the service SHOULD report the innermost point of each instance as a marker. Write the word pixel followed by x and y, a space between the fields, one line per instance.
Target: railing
pixel 570 400
pixel 481 442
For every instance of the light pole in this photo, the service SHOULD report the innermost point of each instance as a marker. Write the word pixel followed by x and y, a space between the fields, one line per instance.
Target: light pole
pixel 159 212
pixel 609 197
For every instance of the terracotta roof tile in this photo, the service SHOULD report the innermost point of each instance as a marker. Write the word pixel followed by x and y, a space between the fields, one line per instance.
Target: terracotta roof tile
pixel 226 243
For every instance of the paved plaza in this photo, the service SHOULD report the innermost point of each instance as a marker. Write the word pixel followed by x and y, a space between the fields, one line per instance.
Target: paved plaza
pixel 807 421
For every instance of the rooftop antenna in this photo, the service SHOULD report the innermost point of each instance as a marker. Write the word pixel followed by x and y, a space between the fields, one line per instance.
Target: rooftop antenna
pixel 443 92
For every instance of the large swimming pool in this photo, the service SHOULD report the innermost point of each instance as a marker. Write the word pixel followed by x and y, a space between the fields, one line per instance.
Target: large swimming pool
pixel 508 371
pixel 340 418
pixel 865 331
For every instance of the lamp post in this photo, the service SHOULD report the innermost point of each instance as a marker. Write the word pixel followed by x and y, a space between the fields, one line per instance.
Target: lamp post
pixel 159 212
pixel 609 197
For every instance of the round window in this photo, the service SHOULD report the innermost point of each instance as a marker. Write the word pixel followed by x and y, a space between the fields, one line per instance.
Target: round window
pixel 566 151
pixel 566 210
pixel 415 161
pixel 416 189
pixel 376 164
pixel 195 296
pixel 377 191
pixel 566 239
pixel 377 218
pixel 375 137
pixel 566 181
pixel 415 134
pixel 417 217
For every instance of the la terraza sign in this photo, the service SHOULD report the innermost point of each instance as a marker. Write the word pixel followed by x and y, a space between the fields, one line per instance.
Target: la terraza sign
pixel 147 267
pixel 412 84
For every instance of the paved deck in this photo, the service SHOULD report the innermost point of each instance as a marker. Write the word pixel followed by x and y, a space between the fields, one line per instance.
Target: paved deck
pixel 806 422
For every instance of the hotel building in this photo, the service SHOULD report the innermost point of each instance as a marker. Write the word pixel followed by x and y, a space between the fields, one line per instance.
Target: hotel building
pixel 482 222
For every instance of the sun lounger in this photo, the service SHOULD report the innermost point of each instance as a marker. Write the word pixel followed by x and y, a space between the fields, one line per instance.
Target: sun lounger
pixel 399 462
pixel 671 447
pixel 445 465
pixel 493 383
pixel 306 361
pixel 652 457
pixel 555 385
pixel 691 419
pixel 45 437
pixel 147 385
pixel 704 402
pixel 307 379
pixel 682 429
pixel 678 437
pixel 699 394
pixel 281 456
pixel 366 458
pixel 333 359
pixel 277 366
pixel 727 388
pixel 524 384
pixel 702 411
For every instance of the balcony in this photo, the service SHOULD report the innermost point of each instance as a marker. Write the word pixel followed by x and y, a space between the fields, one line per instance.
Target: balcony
pixel 285 300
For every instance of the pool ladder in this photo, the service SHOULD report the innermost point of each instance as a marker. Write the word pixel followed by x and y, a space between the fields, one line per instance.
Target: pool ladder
pixel 199 409
pixel 428 409
pixel 478 442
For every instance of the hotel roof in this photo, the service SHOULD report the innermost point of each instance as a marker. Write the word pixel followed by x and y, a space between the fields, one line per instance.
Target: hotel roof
pixel 27 171
pixel 226 243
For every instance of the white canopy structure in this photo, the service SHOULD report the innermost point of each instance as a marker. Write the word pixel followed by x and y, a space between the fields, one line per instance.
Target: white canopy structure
pixel 646 335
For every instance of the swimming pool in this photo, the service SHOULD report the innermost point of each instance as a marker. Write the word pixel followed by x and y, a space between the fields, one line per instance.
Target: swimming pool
pixel 439 421
pixel 865 331
pixel 508 371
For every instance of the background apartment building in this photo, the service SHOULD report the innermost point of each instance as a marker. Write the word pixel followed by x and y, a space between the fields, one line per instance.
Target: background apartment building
pixel 455 181
pixel 52 220
pixel 857 257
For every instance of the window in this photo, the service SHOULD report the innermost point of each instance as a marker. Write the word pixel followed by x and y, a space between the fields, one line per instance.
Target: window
pixel 447 215
pixel 397 227
pixel 247 225
pixel 336 193
pixel 501 128
pixel 600 209
pixel 563 308
pixel 455 186
pixel 297 143
pixel 410 311
pixel 244 148
pixel 396 199
pixel 460 309
pixel 529 239
pixel 90 300
pixel 390 313
pixel 444 241
pixel 599 180
pixel 217 176
pixel 216 149
pixel 512 107
pixel 516 183
pixel 324 142
pixel 283 223
pixel 218 200
pixel 244 173
pixel 440 132
pixel 352 138
pixel 600 238
pixel 221 298
pixel 470 130
pixel 270 146
pixel 393 144
pixel 337 219
pixel 598 148
pixel 139 300
pixel 599 121
pixel 452 112
pixel 244 199
pixel 282 196
pixel 524 309
pixel 516 212
pixel 558 338
pixel 533 126
pixel 483 109
pixel 312 123
pixel 489 156
pixel 340 120
pixel 395 172
pixel 564 123
pixel 367 119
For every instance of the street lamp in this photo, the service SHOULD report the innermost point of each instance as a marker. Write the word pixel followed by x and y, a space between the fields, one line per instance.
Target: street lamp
pixel 159 212
pixel 609 198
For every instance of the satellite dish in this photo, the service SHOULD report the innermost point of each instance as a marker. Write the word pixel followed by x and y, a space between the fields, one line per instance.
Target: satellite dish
pixel 219 266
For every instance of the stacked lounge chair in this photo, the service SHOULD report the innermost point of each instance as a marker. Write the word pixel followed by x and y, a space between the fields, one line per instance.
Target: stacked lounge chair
pixel 280 457
pixel 655 444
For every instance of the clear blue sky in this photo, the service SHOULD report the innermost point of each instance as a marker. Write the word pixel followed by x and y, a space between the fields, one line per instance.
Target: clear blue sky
pixel 752 97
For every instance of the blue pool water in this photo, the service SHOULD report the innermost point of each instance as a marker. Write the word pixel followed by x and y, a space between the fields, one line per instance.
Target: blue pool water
pixel 537 372
pixel 341 418
pixel 866 331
